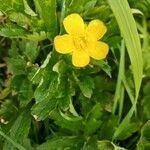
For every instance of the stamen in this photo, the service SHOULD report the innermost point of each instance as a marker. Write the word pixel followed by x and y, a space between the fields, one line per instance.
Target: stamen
pixel 80 43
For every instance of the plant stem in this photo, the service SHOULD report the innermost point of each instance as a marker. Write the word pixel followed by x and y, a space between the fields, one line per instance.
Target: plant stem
pixel 119 86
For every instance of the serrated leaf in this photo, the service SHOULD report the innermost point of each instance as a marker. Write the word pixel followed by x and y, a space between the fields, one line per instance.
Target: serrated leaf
pixel 23 87
pixel 30 49
pixel 62 142
pixel 52 91
pixel 86 85
pixel 91 143
pixel 144 142
pixel 93 119
pixel 8 5
pixel 47 12
pixel 103 65
pixel 42 35
pixel 46 95
pixel 74 125
pixel 28 10
pixel 20 129
pixel 70 117
pixel 47 87
pixel 19 18
pixel 12 31
pixel 92 125
pixel 17 65
pixel 42 109
pixel 90 4
pixel 75 6
pixel 8 110
pixel 108 127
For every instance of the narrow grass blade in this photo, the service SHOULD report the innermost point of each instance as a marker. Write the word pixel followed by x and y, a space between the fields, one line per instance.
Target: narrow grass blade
pixel 129 32
pixel 119 85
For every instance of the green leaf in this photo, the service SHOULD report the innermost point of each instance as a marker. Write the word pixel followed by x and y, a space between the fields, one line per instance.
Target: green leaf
pixel 53 91
pixel 17 65
pixel 20 130
pixel 20 18
pixel 144 142
pixel 18 146
pixel 45 95
pixel 90 143
pixel 28 10
pixel 75 6
pixel 1 14
pixel 30 49
pixel 107 145
pixel 128 131
pixel 90 5
pixel 108 127
pixel 103 65
pixel 42 109
pixel 47 87
pixel 86 85
pixel 23 87
pixel 129 32
pixel 12 31
pixel 62 142
pixel 146 106
pixel 92 125
pixel 8 110
pixel 4 93
pixel 93 119
pixel 8 5
pixel 36 36
pixel 47 12
pixel 73 124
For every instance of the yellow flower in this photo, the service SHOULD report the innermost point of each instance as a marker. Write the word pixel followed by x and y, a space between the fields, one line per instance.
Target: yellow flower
pixel 82 40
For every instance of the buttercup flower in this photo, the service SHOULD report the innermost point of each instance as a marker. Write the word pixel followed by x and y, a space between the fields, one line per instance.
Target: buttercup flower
pixel 82 40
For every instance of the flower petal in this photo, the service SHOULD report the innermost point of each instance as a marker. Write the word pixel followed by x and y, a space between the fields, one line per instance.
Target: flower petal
pixel 64 44
pixel 95 30
pixel 74 25
pixel 80 58
pixel 98 50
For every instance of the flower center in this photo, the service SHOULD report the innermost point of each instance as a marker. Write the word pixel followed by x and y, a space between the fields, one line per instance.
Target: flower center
pixel 80 43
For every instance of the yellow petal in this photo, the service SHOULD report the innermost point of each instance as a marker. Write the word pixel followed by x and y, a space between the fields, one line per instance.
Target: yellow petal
pixel 98 50
pixel 64 44
pixel 95 30
pixel 74 25
pixel 80 58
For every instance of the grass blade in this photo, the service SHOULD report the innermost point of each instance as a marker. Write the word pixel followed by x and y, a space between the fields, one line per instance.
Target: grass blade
pixel 129 32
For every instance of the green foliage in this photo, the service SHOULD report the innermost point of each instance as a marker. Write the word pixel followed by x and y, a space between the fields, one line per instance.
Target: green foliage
pixel 108 145
pixel 62 142
pixel 86 85
pixel 23 87
pixel 144 142
pixel 47 103
pixel 19 130
pixel 47 12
